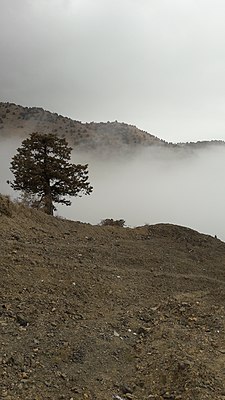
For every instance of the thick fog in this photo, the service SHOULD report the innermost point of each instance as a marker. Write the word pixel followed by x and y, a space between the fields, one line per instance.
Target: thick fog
pixel 7 150
pixel 156 186
pixel 151 187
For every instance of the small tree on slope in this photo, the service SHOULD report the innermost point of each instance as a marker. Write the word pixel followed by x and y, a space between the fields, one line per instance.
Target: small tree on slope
pixel 41 167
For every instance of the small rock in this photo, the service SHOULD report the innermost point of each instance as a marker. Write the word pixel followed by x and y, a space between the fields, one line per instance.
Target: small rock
pixel 125 389
pixel 21 320
pixel 24 380
pixel 129 396
pixel 143 331
pixel 117 397
pixel 76 389
pixel 35 350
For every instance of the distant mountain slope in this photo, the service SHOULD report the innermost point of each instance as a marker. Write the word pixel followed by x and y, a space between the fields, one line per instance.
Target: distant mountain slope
pixel 19 121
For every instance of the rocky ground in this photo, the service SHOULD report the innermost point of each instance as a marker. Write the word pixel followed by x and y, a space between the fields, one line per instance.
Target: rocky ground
pixel 105 312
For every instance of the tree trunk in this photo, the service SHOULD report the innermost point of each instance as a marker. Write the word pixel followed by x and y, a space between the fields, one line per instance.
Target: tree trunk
pixel 48 209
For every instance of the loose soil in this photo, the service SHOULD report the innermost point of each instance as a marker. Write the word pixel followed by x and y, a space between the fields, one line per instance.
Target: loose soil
pixel 105 312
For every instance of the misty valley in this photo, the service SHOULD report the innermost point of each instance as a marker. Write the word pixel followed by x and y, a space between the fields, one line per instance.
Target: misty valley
pixel 135 176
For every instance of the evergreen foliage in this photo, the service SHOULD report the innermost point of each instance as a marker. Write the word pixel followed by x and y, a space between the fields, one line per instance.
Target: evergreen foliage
pixel 42 168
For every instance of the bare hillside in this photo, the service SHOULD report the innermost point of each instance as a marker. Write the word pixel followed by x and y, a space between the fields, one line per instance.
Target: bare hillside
pixel 105 312
pixel 109 137
pixel 18 121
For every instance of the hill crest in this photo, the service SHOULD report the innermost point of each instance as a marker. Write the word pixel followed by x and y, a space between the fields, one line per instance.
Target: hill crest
pixel 19 121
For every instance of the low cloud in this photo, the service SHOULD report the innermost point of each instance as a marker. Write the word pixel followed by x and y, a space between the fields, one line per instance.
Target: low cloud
pixel 153 186
pixel 157 186
pixel 7 150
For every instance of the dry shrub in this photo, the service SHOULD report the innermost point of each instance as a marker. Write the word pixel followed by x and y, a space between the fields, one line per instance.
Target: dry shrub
pixel 112 222
pixel 5 206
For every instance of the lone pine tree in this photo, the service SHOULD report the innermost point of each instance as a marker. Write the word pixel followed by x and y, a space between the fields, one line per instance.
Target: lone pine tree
pixel 42 168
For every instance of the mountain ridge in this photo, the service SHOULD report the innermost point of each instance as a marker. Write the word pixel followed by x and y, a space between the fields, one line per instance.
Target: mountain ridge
pixel 20 121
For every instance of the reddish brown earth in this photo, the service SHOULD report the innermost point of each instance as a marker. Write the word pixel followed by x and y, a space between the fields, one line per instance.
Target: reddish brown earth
pixel 104 312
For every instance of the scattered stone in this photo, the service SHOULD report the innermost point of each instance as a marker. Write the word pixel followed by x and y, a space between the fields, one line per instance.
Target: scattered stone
pixel 21 320
pixel 143 331
pixel 125 389
pixel 129 396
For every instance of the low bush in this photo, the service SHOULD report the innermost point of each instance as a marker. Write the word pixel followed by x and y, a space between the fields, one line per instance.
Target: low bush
pixel 112 222
pixel 5 206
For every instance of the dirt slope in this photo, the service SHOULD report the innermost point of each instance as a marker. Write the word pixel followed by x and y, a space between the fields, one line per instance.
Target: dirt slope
pixel 91 312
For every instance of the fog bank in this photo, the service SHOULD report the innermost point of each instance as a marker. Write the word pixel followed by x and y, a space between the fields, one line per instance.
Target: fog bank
pixel 155 186
pixel 151 187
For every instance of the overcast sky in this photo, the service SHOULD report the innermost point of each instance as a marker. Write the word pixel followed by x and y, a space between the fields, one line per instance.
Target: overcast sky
pixel 158 64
